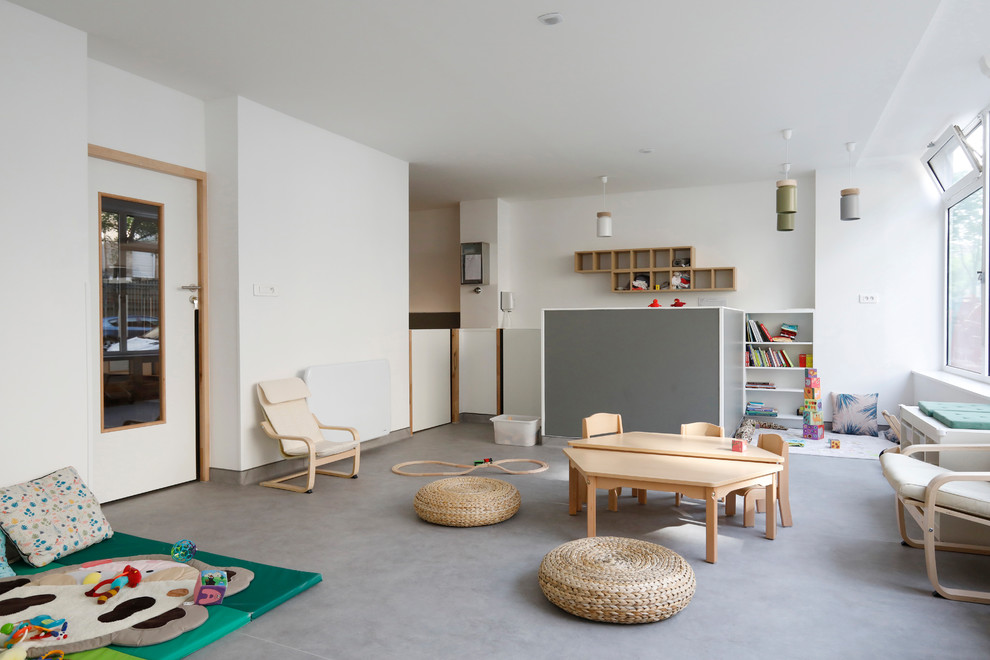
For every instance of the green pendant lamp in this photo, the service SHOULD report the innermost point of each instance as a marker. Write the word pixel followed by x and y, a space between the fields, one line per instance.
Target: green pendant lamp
pixel 786 191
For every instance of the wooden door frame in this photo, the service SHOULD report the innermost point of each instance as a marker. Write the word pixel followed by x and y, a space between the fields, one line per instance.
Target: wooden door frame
pixel 202 262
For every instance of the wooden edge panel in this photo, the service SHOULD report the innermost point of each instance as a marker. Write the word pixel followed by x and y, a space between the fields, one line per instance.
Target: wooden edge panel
pixel 455 394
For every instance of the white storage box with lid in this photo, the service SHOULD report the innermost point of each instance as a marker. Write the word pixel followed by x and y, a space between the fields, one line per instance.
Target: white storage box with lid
pixel 516 430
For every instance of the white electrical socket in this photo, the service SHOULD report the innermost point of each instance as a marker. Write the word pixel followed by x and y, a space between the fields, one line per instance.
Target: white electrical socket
pixel 869 298
pixel 265 290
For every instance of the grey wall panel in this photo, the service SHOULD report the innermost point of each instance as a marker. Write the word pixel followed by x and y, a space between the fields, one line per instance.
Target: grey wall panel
pixel 658 368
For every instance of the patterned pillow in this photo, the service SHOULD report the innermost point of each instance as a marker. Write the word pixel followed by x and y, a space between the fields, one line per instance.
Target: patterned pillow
pixel 51 517
pixel 854 414
pixel 5 569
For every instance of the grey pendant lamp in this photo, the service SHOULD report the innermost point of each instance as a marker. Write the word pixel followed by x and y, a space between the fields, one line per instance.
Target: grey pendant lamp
pixel 786 191
pixel 849 197
pixel 604 217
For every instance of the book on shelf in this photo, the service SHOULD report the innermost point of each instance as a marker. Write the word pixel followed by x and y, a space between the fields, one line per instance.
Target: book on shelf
pixel 781 338
pixel 764 332
pixel 760 385
pixel 788 330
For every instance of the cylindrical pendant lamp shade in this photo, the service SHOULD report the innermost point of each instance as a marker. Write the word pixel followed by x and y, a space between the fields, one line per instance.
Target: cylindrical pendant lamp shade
pixel 787 196
pixel 604 224
pixel 849 204
pixel 785 221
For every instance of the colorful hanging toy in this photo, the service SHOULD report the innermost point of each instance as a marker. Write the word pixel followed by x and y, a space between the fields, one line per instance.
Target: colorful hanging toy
pixel 183 551
pixel 39 627
pixel 130 577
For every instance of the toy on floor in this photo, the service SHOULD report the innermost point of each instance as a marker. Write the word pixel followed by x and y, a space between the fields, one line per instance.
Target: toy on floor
pixel 54 654
pixel 211 587
pixel 487 463
pixel 183 551
pixel 129 577
pixel 483 461
pixel 39 627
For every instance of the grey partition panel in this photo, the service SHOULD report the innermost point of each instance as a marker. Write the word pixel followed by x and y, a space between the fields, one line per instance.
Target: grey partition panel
pixel 733 368
pixel 658 368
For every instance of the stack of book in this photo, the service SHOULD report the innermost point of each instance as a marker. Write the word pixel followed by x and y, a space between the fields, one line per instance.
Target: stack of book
pixel 760 385
pixel 760 409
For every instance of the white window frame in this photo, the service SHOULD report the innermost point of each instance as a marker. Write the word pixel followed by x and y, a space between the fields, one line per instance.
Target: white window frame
pixel 956 193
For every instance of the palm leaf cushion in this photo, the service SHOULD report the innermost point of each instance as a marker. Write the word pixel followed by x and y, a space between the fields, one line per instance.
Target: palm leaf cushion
pixel 854 414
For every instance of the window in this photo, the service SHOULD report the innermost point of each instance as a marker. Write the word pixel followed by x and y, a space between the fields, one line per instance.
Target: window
pixel 957 164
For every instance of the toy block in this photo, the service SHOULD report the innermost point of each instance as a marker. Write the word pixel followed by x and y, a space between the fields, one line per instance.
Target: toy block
pixel 833 444
pixel 739 445
pixel 813 431
pixel 813 382
pixel 812 393
pixel 811 373
pixel 211 587
pixel 813 404
pixel 813 417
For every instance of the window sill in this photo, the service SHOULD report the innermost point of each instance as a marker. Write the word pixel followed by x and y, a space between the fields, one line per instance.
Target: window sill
pixel 966 386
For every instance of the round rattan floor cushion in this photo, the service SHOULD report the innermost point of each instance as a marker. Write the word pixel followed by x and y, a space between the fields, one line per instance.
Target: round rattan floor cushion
pixel 617 580
pixel 467 501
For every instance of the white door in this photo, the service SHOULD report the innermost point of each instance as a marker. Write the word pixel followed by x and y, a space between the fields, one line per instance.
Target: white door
pixel 429 378
pixel 146 419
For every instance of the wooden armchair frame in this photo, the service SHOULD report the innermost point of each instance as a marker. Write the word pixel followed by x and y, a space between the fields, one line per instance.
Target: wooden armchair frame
pixel 923 513
pixel 313 461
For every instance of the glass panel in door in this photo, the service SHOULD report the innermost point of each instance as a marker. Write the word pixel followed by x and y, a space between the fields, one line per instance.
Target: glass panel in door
pixel 131 330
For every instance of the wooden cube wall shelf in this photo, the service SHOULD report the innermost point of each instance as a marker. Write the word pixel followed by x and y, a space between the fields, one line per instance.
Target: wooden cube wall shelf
pixel 661 269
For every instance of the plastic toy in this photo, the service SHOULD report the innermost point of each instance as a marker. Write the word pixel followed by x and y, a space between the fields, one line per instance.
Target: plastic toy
pixel 130 577
pixel 211 587
pixel 655 303
pixel 483 461
pixel 677 303
pixel 92 578
pixel 39 627
pixel 54 654
pixel 183 551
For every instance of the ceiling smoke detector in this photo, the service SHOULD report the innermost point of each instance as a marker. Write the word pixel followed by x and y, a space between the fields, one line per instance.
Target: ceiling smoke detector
pixel 550 19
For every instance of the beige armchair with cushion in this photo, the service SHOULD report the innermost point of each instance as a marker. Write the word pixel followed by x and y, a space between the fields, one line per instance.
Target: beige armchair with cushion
pixel 923 490
pixel 298 432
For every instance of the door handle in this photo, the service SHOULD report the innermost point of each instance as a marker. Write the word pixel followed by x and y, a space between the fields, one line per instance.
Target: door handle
pixel 190 287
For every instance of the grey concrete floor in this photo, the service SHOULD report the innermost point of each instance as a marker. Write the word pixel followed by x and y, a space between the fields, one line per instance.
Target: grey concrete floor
pixel 837 584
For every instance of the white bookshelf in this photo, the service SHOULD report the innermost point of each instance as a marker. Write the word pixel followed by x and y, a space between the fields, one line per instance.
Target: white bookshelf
pixel 787 395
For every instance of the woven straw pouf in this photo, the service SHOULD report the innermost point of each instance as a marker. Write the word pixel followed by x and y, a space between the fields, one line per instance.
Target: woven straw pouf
pixel 467 501
pixel 618 580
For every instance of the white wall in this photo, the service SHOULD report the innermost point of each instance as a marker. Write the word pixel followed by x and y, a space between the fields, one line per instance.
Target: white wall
pixel 480 224
pixel 731 225
pixel 46 255
pixel 894 251
pixel 434 260
pixel 136 115
pixel 325 220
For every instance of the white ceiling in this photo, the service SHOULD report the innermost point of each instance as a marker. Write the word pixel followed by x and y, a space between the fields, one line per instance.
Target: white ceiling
pixel 484 101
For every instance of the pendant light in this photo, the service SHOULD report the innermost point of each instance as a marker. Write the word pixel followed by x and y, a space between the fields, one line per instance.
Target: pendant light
pixel 604 217
pixel 849 200
pixel 786 191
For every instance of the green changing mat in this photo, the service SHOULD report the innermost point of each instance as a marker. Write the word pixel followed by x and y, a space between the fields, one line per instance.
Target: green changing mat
pixel 958 415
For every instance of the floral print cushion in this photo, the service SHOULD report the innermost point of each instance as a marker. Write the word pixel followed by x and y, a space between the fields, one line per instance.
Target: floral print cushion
pixel 5 569
pixel 51 517
pixel 855 414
